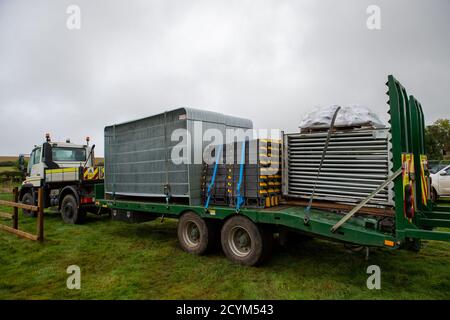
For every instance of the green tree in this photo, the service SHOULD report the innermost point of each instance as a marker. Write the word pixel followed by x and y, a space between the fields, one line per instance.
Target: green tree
pixel 437 139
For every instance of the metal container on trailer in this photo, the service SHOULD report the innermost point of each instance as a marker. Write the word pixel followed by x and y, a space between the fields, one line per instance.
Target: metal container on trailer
pixel 138 154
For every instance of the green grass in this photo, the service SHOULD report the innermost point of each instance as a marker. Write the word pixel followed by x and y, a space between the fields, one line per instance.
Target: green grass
pixel 144 261
pixel 444 201
pixel 7 169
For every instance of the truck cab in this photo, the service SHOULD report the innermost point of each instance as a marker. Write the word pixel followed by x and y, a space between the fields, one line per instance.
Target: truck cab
pixel 64 155
pixel 67 174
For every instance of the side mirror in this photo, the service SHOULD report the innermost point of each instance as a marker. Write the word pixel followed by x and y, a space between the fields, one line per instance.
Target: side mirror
pixel 21 162
pixel 443 173
pixel 47 156
pixel 47 153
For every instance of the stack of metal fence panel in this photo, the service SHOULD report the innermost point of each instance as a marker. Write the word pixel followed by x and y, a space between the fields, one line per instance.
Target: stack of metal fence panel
pixel 219 195
pixel 355 164
pixel 261 179
pixel 139 154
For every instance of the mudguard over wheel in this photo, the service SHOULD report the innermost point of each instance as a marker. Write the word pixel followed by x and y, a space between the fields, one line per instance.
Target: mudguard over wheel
pixel 244 242
pixel 196 235
pixel 28 199
pixel 70 212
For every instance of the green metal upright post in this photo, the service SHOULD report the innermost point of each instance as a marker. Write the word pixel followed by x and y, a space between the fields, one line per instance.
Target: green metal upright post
pixel 401 143
pixel 418 127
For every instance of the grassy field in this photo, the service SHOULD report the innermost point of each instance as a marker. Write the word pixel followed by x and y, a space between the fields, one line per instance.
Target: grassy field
pixel 9 158
pixel 144 261
pixel 6 186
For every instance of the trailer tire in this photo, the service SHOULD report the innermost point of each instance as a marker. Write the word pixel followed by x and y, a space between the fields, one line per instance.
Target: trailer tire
pixel 246 243
pixel 196 235
pixel 28 199
pixel 70 212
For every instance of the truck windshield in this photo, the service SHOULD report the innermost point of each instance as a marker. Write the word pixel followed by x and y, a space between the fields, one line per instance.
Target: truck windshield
pixel 68 154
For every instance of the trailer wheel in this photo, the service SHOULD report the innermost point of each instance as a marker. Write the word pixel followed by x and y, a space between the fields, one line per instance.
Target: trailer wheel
pixel 70 212
pixel 196 235
pixel 28 199
pixel 244 242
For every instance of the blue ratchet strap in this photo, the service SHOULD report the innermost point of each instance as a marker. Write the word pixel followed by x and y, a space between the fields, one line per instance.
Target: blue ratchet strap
pixel 211 184
pixel 325 148
pixel 239 197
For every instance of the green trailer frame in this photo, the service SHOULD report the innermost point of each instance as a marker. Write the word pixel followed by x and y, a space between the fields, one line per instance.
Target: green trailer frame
pixel 407 138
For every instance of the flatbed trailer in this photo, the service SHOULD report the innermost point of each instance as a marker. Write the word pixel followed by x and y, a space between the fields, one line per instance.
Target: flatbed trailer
pixel 246 234
pixel 357 230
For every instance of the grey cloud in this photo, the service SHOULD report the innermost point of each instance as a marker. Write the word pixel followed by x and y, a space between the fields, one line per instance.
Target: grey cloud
pixel 270 61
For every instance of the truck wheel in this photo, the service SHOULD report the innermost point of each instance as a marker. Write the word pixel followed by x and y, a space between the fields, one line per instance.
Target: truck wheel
pixel 70 212
pixel 196 235
pixel 28 199
pixel 244 242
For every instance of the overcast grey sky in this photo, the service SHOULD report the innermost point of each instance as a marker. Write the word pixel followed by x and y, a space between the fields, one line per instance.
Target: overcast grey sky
pixel 270 61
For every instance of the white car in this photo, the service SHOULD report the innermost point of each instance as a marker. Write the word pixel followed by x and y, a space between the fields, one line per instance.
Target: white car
pixel 440 183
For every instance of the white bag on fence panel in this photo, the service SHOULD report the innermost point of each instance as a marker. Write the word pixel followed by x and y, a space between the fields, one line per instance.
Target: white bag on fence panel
pixel 351 116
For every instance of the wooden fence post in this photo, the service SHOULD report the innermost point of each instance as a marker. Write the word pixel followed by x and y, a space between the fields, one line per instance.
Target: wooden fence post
pixel 40 224
pixel 15 216
pixel 15 209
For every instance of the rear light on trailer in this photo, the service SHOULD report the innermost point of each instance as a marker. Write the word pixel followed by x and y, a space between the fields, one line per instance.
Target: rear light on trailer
pixel 389 243
pixel 86 200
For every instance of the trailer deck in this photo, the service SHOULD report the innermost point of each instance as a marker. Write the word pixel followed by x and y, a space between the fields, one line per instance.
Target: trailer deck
pixel 358 230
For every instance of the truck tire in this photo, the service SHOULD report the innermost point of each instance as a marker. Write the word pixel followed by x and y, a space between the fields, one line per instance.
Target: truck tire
pixel 28 199
pixel 70 212
pixel 244 242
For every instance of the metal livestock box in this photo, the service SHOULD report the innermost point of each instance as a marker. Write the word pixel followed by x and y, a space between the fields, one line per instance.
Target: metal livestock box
pixel 138 160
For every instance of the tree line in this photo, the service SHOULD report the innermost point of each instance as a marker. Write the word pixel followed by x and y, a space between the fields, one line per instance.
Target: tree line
pixel 437 140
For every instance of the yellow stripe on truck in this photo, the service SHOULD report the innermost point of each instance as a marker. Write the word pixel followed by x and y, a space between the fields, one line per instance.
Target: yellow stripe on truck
pixel 64 170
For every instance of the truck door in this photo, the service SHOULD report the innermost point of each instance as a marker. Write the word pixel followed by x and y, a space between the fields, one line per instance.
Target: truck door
pixel 444 181
pixel 36 167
